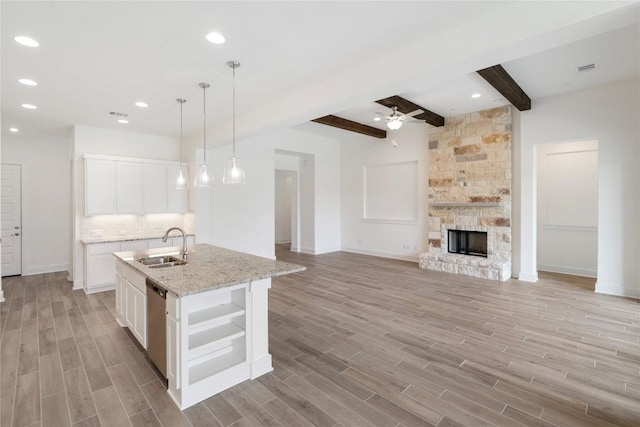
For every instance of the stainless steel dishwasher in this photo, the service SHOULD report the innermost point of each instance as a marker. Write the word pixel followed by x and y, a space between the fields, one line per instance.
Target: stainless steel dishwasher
pixel 157 326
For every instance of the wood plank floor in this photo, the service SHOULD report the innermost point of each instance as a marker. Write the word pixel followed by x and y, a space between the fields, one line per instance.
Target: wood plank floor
pixel 356 341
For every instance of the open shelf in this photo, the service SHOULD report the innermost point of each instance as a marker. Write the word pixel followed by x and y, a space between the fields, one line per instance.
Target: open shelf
pixel 203 319
pixel 208 368
pixel 212 339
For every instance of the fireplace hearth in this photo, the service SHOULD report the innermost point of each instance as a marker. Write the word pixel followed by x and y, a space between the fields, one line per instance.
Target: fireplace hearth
pixel 467 242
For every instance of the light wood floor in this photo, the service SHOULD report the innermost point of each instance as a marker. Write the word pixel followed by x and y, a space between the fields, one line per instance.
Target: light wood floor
pixel 356 341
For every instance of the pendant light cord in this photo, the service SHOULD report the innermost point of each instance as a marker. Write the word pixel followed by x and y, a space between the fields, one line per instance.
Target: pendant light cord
pixel 204 121
pixel 181 101
pixel 234 112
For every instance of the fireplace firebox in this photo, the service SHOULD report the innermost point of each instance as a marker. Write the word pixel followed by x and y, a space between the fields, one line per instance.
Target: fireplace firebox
pixel 468 242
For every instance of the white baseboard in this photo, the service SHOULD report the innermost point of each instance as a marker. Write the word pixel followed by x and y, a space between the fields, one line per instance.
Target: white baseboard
pixel 404 257
pixel 568 270
pixel 528 277
pixel 282 242
pixel 78 284
pixel 101 288
pixel 42 269
pixel 616 290
pixel 1 296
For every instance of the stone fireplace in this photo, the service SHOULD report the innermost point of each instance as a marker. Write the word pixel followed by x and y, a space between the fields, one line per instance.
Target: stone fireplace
pixel 470 191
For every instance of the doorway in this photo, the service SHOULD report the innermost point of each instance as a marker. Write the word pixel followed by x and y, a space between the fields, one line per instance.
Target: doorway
pixel 286 217
pixel 567 212
pixel 11 218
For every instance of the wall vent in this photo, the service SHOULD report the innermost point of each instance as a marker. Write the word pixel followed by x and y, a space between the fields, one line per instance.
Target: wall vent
pixel 587 67
pixel 117 114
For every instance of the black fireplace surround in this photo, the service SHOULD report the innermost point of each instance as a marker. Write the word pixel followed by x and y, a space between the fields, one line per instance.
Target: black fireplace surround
pixel 468 242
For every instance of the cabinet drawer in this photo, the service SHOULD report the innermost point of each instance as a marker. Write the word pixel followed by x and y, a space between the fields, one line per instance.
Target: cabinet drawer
pixel 103 248
pixel 135 278
pixel 134 245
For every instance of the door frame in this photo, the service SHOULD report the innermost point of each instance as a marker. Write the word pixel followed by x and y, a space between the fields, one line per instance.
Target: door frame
pixel 21 165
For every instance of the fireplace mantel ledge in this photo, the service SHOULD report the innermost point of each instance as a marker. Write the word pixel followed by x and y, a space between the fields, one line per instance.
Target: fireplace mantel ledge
pixel 465 205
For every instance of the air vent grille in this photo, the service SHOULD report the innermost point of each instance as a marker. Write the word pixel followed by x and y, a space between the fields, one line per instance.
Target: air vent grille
pixel 117 114
pixel 587 67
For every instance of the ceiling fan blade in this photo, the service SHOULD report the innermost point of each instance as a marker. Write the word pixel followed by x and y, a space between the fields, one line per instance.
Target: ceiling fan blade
pixel 414 113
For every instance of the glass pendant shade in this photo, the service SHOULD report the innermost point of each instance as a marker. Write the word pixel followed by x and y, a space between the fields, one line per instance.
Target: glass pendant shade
pixel 181 180
pixel 233 172
pixel 394 124
pixel 203 178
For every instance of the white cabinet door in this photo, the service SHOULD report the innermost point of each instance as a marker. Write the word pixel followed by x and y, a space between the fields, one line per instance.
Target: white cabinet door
pixel 100 187
pixel 129 188
pixel 130 305
pixel 155 188
pixel 140 308
pixel 120 306
pixel 178 199
pixel 101 267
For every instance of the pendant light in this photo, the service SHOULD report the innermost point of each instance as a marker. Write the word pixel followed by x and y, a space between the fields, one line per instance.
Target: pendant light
pixel 203 179
pixel 233 172
pixel 181 179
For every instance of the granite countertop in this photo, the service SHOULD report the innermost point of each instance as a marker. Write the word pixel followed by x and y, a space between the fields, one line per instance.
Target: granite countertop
pixel 208 268
pixel 128 238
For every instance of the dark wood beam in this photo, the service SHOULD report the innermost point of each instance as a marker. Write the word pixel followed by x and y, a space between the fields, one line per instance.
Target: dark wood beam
pixel 405 106
pixel 498 77
pixel 339 122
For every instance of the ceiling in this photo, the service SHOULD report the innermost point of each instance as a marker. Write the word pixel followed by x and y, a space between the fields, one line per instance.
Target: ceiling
pixel 300 60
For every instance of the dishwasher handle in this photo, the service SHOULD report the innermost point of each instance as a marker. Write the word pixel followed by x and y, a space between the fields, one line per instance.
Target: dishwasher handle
pixel 157 289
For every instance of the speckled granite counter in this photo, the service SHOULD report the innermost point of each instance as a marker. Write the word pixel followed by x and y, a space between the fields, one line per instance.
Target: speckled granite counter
pixel 208 268
pixel 129 238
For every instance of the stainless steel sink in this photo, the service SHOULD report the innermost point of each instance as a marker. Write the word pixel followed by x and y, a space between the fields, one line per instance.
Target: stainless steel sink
pixel 161 261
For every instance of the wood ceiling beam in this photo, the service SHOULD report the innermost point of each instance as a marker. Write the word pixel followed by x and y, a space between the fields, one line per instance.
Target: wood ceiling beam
pixel 339 122
pixel 498 77
pixel 405 106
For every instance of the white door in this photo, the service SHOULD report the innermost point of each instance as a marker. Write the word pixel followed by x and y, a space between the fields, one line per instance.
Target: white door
pixel 11 220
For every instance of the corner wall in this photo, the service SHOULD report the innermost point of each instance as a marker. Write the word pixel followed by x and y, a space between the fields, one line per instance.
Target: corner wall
pixel 46 202
pixel 609 114
pixel 242 217
pixel 379 238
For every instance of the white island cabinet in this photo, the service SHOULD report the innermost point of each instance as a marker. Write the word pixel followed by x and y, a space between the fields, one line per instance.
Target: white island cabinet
pixel 216 317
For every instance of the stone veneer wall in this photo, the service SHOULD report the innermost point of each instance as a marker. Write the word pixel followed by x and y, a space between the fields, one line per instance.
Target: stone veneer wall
pixel 470 165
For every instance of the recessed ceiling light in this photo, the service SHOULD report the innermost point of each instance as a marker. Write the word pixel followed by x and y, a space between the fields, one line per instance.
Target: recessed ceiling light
pixel 28 82
pixel 141 104
pixel 215 38
pixel 29 106
pixel 476 95
pixel 26 41
pixel 13 130
pixel 123 121
pixel 376 119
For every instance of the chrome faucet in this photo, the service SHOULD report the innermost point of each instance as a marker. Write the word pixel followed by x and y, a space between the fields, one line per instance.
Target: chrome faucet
pixel 184 240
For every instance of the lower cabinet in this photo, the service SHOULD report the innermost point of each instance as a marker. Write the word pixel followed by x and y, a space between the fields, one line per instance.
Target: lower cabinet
pixel 131 301
pixel 99 262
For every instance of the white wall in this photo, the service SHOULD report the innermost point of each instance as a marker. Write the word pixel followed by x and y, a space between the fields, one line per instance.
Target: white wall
pixel 567 176
pixel 242 216
pixel 608 114
pixel 387 239
pixel 46 206
pixel 89 140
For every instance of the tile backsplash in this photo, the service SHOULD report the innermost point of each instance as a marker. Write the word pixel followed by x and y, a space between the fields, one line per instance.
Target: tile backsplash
pixel 152 225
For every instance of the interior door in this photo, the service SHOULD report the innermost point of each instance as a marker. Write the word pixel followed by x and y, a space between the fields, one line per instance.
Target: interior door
pixel 11 218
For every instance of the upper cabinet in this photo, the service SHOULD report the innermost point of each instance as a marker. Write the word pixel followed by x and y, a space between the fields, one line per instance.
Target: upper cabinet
pixel 132 186
pixel 129 185
pixel 156 188
pixel 100 187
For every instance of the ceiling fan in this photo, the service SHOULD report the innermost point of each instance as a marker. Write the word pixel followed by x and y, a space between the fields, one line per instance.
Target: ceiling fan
pixel 396 118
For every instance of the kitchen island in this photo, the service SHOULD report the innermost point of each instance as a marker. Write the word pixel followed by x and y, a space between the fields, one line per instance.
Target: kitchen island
pixel 216 315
